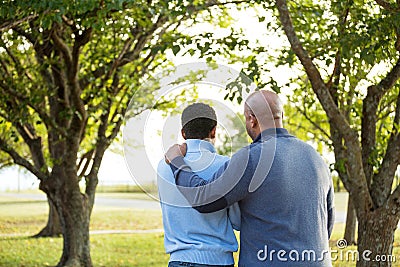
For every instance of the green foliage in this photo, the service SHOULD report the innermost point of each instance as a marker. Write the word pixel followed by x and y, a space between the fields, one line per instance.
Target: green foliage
pixel 238 87
pixel 362 36
pixel 116 46
pixel 305 118
pixel 385 126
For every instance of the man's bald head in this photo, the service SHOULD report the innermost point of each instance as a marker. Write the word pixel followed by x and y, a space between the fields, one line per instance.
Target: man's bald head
pixel 266 107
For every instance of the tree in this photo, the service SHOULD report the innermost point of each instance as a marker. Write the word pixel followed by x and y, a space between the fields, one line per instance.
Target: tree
pixel 69 70
pixel 349 51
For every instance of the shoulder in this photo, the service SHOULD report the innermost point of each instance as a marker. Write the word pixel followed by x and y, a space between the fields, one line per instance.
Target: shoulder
pixel 243 155
pixel 308 151
pixel 221 158
pixel 305 146
pixel 164 173
pixel 163 167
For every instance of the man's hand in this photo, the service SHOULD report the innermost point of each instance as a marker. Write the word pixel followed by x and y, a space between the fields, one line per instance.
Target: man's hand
pixel 174 152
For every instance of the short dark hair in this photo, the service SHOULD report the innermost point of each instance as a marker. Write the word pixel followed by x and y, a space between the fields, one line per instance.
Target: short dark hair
pixel 198 120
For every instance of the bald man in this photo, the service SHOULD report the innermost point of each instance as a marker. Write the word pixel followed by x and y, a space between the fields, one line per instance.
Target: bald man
pixel 282 185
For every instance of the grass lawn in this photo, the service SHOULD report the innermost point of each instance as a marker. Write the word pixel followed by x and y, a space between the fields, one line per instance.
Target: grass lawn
pixel 25 218
pixel 29 217
pixel 142 250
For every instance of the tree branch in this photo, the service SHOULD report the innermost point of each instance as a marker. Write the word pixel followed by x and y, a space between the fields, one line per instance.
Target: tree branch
pixel 63 47
pixel 388 6
pixel 118 62
pixel 8 25
pixel 142 40
pixel 70 23
pixel 85 159
pixel 313 74
pixel 42 50
pixel 17 64
pixel 101 146
pixel 212 3
pixel 47 120
pixel 383 180
pixel 28 36
pixel 72 65
pixel 319 128
pixel 80 41
pixel 299 126
pixel 333 82
pixel 6 163
pixel 27 132
pixel 126 56
pixel 370 117
pixel 34 143
pixel 18 159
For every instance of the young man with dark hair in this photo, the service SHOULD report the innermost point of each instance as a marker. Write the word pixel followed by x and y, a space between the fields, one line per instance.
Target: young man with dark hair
pixel 191 238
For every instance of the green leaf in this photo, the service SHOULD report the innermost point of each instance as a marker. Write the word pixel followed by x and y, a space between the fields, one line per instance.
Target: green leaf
pixel 176 49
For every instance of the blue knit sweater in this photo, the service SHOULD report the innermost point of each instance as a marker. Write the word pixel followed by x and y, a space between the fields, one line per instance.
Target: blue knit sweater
pixel 191 236
pixel 285 196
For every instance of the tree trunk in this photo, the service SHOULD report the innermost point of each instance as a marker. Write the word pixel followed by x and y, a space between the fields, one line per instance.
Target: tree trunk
pixel 53 227
pixel 375 239
pixel 74 217
pixel 338 189
pixel 74 210
pixel 351 222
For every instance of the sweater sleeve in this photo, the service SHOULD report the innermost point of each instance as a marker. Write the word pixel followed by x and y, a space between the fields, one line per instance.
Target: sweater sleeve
pixel 234 216
pixel 227 186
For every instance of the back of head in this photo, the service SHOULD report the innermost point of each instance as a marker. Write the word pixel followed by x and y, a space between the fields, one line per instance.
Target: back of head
pixel 267 108
pixel 198 120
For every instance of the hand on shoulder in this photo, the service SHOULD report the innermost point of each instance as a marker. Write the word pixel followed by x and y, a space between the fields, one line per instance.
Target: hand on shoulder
pixel 175 151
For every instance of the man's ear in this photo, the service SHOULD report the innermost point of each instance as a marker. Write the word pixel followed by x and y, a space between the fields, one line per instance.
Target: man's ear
pixel 183 134
pixel 213 131
pixel 253 121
